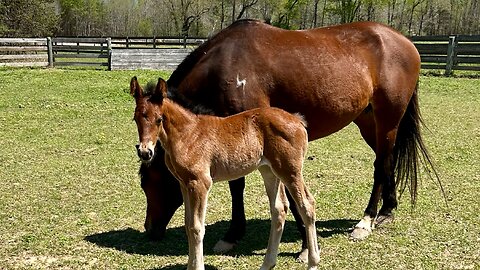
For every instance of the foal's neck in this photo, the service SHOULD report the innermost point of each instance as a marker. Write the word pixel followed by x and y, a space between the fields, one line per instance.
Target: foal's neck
pixel 177 119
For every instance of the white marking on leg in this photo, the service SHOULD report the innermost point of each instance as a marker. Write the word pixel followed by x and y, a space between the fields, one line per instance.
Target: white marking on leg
pixel 223 247
pixel 367 223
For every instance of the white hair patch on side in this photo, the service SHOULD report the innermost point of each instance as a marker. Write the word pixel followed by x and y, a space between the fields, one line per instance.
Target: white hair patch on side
pixel 241 82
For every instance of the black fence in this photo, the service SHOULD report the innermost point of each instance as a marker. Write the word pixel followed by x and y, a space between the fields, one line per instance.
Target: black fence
pixel 449 53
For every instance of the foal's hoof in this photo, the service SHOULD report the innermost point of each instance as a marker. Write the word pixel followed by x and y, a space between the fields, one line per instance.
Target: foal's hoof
pixel 223 247
pixel 384 219
pixel 360 234
pixel 303 256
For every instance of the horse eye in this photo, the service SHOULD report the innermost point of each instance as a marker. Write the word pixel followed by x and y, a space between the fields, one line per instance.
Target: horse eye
pixel 159 120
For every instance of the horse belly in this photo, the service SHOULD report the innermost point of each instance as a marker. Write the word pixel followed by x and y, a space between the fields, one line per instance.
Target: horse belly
pixel 235 164
pixel 327 108
pixel 226 171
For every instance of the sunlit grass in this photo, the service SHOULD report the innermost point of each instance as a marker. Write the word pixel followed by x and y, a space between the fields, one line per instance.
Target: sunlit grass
pixel 70 196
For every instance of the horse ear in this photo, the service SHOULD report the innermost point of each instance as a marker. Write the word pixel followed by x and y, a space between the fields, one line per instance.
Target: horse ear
pixel 135 88
pixel 161 89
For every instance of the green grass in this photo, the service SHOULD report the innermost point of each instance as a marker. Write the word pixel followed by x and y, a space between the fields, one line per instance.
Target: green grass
pixel 70 196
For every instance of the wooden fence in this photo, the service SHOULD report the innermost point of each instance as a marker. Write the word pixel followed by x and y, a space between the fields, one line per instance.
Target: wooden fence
pixel 127 53
pixel 131 59
pixel 68 51
pixel 156 42
pixel 19 52
pixel 448 53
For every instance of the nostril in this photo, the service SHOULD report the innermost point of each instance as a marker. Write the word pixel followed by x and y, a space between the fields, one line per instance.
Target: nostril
pixel 150 152
pixel 137 146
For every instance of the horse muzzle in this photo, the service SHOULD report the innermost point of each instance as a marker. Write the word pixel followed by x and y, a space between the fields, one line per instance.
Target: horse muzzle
pixel 145 152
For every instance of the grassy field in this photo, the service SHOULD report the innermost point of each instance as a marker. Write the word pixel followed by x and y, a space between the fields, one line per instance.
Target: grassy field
pixel 70 197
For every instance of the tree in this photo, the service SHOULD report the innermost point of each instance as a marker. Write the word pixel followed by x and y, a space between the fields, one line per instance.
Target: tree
pixel 82 18
pixel 289 13
pixel 27 18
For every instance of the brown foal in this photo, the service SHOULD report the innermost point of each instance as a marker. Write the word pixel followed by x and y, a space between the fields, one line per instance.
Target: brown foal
pixel 201 149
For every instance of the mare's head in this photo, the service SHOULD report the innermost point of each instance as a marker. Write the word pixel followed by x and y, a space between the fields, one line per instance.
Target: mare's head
pixel 148 116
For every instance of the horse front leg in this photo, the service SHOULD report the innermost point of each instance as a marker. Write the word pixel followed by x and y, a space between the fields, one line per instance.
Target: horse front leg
pixel 195 198
pixel 278 211
pixel 236 231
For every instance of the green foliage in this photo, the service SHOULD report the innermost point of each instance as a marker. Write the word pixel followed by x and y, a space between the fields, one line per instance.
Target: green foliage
pixel 145 27
pixel 290 12
pixel 82 18
pixel 32 18
pixel 70 196
pixel 204 17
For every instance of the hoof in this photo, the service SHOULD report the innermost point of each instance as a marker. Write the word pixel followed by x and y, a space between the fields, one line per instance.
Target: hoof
pixel 303 256
pixel 384 219
pixel 360 234
pixel 223 247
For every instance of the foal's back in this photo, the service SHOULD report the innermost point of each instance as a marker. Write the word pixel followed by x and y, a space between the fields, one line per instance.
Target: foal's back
pixel 245 141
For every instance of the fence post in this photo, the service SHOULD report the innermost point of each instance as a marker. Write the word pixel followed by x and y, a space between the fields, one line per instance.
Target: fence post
pixel 184 41
pixel 109 51
pixel 450 56
pixel 50 52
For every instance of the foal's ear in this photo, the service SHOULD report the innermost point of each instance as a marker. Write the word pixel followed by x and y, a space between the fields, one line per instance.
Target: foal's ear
pixel 135 88
pixel 161 89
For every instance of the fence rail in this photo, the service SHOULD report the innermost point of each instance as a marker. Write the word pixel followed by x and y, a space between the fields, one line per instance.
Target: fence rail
pixel 131 59
pixel 18 52
pixel 448 53
pixel 162 42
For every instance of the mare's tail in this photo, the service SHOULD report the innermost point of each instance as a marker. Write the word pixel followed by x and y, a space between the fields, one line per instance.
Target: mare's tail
pixel 410 151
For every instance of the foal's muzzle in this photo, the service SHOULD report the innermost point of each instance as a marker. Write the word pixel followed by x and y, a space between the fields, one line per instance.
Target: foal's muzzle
pixel 144 153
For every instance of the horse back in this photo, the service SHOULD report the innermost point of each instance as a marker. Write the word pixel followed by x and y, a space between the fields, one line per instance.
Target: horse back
pixel 333 71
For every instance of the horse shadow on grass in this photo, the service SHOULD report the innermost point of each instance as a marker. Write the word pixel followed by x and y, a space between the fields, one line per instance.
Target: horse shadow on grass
pixel 175 241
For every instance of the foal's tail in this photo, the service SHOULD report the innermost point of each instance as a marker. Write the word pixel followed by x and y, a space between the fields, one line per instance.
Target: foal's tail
pixel 410 150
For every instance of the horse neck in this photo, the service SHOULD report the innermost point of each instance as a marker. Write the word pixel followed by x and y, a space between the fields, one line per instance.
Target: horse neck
pixel 177 120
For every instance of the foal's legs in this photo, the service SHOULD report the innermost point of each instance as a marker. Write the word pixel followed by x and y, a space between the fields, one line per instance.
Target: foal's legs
pixel 278 211
pixel 306 207
pixel 195 198
pixel 303 254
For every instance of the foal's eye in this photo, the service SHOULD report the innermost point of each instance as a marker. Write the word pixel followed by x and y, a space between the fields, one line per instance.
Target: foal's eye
pixel 159 120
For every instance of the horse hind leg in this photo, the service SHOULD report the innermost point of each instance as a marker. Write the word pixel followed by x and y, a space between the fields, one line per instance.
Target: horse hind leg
pixel 306 207
pixel 278 210
pixel 303 254
pixel 379 130
pixel 366 124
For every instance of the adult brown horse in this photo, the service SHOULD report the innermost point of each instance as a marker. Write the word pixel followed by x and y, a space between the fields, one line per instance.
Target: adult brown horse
pixel 365 73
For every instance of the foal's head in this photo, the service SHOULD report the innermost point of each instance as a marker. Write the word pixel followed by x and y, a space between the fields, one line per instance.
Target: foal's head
pixel 148 116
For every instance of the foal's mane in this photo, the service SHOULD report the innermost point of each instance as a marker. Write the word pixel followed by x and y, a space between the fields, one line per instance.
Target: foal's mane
pixel 178 98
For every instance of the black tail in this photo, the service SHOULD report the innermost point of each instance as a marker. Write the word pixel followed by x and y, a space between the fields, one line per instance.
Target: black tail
pixel 410 150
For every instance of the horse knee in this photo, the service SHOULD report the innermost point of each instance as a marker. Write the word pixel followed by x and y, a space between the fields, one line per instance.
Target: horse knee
pixel 279 211
pixel 197 232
